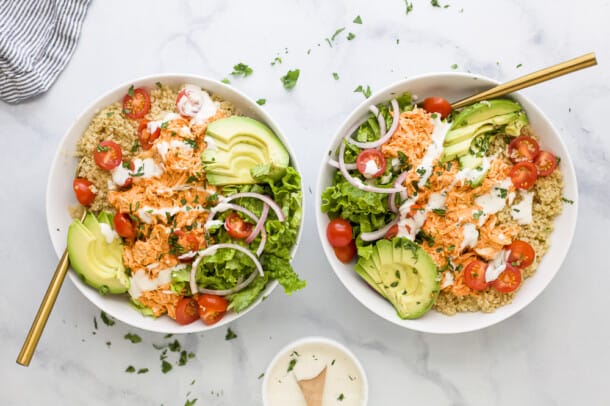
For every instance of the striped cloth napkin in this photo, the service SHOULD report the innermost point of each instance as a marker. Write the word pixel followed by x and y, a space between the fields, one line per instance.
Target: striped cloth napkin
pixel 37 38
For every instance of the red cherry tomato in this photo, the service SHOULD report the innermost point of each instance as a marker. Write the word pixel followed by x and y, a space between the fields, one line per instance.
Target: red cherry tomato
pixel 339 232
pixel 145 137
pixel 237 227
pixel 474 275
pixel 82 189
pixel 371 163
pixel 545 163
pixel 437 105
pixel 107 155
pixel 524 175
pixel 123 225
pixel 509 280
pixel 136 103
pixel 187 310
pixel 347 253
pixel 523 148
pixel 188 241
pixel 392 232
pixel 212 308
pixel 521 254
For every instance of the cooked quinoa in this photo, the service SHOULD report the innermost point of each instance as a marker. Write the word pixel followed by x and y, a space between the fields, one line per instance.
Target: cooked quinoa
pixel 547 205
pixel 111 124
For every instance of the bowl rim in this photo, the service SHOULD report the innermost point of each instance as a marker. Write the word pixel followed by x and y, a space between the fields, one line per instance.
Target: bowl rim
pixel 321 218
pixel 313 340
pixel 92 108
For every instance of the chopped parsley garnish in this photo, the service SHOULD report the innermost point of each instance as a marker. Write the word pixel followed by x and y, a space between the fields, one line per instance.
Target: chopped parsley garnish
pixel 174 346
pixel 519 65
pixel 134 338
pixel 130 92
pixel 477 214
pixel 164 124
pixel 516 210
pixel 225 81
pixel 192 179
pixel 168 336
pixel 341 397
pixel 365 91
pixel 261 375
pixel 210 199
pixel 134 147
pixel 563 199
pixel 261 102
pixel 351 36
pixel 435 3
pixel 421 171
pixel 190 142
pixel 184 356
pixel 183 201
pixel 241 69
pixel 289 80
pixel 451 247
pixel 291 364
pixel 408 6
pixel 107 320
pixel 159 85
pixel 357 20
pixel 95 322
pixel 174 247
pixel 110 114
pixel 335 76
pixel 130 369
pixel 277 59
pixel 165 366
pixel 142 370
pixel 230 334
pixel 339 31
pixel 190 402
pixel 454 66
pixel 503 193
pixel 440 212
pixel 101 148
pixel 140 172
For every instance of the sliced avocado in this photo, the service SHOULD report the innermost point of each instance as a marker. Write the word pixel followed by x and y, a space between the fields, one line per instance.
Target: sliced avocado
pixel 459 134
pixel 97 262
pixel 239 144
pixel 470 161
pixel 267 172
pixel 514 128
pixel 483 111
pixel 403 273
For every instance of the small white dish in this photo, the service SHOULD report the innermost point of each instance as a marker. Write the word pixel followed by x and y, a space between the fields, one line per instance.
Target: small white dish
pixel 346 381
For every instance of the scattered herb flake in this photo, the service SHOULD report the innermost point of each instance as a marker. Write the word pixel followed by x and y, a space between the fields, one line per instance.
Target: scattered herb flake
pixel 230 334
pixel 142 370
pixel 261 375
pixel 190 402
pixel 107 320
pixel 519 65
pixel 159 85
pixel 435 3
pixel 563 199
pixel 351 36
pixel 341 397
pixel 365 91
pixel 191 143
pixel 130 369
pixel 357 20
pixel 408 6
pixel 134 338
pixel 261 102
pixel 290 79
pixel 454 66
pixel 440 212
pixel 291 364
pixel 339 31
pixel 95 322
pixel 276 60
pixel 130 92
pixel 335 75
pixel 477 214
pixel 241 69
pixel 225 81
pixel 165 366
pixel 174 346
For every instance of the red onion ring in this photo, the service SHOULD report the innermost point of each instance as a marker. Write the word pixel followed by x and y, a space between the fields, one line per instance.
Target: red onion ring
pixel 378 234
pixel 211 251
pixel 335 164
pixel 392 198
pixel 357 182
pixel 384 138
pixel 276 208
pixel 259 225
pixel 219 208
pixel 380 120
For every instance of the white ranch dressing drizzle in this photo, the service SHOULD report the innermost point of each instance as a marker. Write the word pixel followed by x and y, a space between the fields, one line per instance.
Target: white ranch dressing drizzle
pixel 522 211
pixel 140 282
pixel 197 103
pixel 163 147
pixel 108 233
pixel 496 266
pixel 146 213
pixel 492 202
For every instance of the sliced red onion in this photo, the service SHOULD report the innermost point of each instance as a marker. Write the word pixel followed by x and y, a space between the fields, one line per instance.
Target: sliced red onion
pixel 260 225
pixel 211 251
pixel 380 120
pixel 392 198
pixel 357 182
pixel 349 167
pixel 220 207
pixel 276 208
pixel 379 234
pixel 386 136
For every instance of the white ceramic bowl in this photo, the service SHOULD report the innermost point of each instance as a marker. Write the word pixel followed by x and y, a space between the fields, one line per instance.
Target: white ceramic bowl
pixel 60 195
pixel 455 86
pixel 295 345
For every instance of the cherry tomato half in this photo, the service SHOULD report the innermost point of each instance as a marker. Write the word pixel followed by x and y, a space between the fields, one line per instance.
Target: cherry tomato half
pixel 347 253
pixel 212 308
pixel 474 275
pixel 521 254
pixel 187 310
pixel 437 105
pixel 392 232
pixel 371 163
pixel 545 163
pixel 82 189
pixel 107 155
pixel 136 103
pixel 237 227
pixel 339 232
pixel 123 225
pixel 523 148
pixel 509 280
pixel 524 175
pixel 188 241
pixel 145 137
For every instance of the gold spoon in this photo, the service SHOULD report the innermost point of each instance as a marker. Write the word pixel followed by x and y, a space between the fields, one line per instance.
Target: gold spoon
pixel 530 79
pixel 31 341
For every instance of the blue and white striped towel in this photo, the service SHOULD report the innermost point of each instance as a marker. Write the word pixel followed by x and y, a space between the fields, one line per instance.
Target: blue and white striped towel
pixel 37 38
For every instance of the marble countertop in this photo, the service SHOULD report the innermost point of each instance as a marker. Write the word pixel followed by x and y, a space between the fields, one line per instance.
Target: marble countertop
pixel 555 352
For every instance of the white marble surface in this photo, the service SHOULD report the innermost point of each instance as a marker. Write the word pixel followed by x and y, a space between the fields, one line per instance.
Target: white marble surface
pixel 555 352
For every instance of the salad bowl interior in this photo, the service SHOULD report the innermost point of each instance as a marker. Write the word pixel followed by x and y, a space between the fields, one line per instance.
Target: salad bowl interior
pixel 60 196
pixel 453 87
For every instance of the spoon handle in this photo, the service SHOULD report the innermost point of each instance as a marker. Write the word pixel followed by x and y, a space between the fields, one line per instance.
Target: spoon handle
pixel 31 341
pixel 530 79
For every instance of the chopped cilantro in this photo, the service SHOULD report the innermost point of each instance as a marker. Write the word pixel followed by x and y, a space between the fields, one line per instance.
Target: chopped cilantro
pixel 341 397
pixel 519 65
pixel 408 6
pixel 241 69
pixel 230 334
pixel 130 92
pixel 563 199
pixel 261 375
pixel 261 102
pixel 435 3
pixel 183 358
pixel 290 79
pixel 291 364
pixel 165 367
pixel 365 91
pixel 135 146
pixel 95 322
pixel 477 214
pixel 107 320
pixel 225 81
pixel 130 369
pixel 451 247
pixel 101 148
pixel 277 59
pixel 440 212
pixel 351 36
pixel 454 66
pixel 110 114
pixel 190 142
pixel 190 402
pixel 357 20
pixel 142 370
pixel 339 31
pixel 134 338
pixel 421 171
pixel 503 193
pixel 211 198
pixel 159 85
pixel 335 76
pixel 164 124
